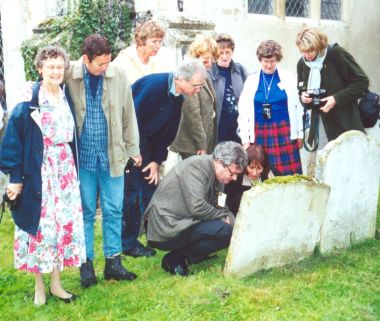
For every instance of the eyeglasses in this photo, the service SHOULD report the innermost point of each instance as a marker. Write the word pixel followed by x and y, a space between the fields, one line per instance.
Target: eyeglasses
pixel 231 174
pixel 55 67
pixel 225 52
pixel 197 86
pixel 267 61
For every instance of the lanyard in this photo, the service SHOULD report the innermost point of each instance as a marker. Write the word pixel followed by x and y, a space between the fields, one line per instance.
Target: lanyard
pixel 267 86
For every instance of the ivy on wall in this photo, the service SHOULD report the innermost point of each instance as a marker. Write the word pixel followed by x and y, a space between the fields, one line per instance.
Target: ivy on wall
pixel 109 18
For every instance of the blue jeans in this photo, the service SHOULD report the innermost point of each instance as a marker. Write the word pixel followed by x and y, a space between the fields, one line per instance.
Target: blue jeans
pixel 137 197
pixel 111 191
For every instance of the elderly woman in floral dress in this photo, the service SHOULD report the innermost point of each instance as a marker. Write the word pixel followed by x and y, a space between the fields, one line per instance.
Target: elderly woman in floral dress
pixel 38 152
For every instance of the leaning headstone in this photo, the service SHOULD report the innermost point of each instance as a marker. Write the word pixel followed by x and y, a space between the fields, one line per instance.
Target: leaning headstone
pixel 277 224
pixel 350 165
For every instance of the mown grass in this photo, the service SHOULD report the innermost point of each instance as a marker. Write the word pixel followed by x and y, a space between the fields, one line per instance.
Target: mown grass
pixel 342 286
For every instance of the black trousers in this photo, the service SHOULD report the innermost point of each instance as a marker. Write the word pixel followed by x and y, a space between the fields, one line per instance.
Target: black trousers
pixel 199 240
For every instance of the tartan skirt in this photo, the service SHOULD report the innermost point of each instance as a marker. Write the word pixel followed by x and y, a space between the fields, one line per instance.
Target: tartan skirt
pixel 282 153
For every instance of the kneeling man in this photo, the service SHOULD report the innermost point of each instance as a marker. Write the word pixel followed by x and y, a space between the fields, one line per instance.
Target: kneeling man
pixel 186 216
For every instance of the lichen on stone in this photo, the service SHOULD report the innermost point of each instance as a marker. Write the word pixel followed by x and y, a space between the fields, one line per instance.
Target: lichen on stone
pixel 288 179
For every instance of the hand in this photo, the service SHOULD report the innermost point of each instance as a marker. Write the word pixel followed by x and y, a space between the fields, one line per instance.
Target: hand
pixel 226 219
pixel 299 143
pixel 13 190
pixel 153 172
pixel 246 145
pixel 138 160
pixel 201 152
pixel 305 98
pixel 330 103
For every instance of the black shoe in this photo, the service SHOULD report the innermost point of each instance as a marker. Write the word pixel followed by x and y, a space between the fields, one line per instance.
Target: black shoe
pixel 140 251
pixel 174 265
pixel 115 270
pixel 87 274
pixel 66 300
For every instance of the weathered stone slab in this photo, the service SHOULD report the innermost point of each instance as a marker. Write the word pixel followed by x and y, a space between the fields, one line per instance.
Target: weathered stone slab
pixel 277 224
pixel 350 165
pixel 374 132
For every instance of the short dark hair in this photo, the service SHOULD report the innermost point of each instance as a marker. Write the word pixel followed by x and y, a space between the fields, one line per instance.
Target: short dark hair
pixel 95 45
pixel 257 156
pixel 225 40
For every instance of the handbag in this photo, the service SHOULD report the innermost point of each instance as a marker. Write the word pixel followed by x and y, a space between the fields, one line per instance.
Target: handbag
pixel 369 109
pixel 368 104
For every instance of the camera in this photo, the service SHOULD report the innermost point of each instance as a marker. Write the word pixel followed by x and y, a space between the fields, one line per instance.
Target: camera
pixel 130 163
pixel 267 111
pixel 316 95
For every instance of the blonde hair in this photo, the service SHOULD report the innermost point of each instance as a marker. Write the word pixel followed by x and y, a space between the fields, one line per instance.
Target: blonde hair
pixel 203 45
pixel 311 39
pixel 148 29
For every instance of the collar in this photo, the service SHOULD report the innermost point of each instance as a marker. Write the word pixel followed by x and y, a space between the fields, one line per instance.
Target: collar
pixel 214 71
pixel 171 85
pixel 78 67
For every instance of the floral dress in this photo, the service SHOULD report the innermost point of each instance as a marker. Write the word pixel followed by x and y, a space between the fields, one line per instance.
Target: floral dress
pixel 60 237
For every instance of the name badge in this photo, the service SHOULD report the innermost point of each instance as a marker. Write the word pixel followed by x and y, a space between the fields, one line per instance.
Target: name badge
pixel 222 199
pixel 36 116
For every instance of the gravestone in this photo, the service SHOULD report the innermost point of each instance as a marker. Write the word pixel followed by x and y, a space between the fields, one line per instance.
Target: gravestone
pixel 277 224
pixel 350 165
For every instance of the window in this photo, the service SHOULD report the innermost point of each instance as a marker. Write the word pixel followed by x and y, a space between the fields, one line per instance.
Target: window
pixel 297 8
pixel 261 6
pixel 331 9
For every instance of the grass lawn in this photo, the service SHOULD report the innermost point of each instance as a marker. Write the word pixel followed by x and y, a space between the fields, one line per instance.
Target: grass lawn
pixel 343 286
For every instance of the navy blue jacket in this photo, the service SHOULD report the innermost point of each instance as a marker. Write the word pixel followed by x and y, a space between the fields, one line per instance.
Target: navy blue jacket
pixel 21 157
pixel 158 114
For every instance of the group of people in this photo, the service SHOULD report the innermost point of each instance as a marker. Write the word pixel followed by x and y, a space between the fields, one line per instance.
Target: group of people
pixel 109 125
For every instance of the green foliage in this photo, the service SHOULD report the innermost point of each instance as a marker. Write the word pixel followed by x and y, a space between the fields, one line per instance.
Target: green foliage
pixel 109 18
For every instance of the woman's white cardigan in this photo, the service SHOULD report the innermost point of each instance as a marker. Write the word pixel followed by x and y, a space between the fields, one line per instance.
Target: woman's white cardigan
pixel 246 119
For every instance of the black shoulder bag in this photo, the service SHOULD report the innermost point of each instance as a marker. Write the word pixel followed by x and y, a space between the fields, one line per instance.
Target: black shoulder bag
pixel 369 107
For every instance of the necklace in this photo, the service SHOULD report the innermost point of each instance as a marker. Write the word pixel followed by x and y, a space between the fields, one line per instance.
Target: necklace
pixel 267 86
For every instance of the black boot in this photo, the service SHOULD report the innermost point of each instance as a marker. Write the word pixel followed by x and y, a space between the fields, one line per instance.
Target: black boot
pixel 114 270
pixel 175 264
pixel 87 274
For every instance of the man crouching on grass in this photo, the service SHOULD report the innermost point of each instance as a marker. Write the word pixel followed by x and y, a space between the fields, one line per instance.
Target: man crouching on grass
pixel 186 215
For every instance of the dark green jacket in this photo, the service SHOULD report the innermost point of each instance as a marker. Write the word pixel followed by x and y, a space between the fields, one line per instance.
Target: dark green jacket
pixel 197 129
pixel 344 79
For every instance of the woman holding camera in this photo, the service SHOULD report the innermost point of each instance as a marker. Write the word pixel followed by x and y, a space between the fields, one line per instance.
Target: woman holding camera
pixel 270 114
pixel 331 74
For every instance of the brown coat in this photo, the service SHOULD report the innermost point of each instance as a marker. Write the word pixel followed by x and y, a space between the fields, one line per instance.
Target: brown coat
pixel 118 108
pixel 186 196
pixel 197 129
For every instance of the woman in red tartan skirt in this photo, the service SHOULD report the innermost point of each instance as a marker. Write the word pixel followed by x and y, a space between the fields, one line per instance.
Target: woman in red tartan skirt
pixel 270 114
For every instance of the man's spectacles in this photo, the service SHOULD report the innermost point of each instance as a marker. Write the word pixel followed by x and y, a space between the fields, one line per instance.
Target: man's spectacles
pixel 197 86
pixel 231 174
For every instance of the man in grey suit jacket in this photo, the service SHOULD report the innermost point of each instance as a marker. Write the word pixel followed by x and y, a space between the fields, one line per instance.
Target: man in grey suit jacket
pixel 186 216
